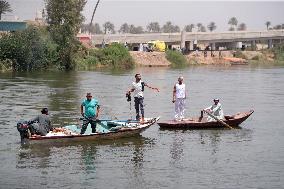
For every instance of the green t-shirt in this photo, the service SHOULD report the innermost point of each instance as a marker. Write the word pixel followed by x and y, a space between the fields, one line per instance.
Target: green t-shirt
pixel 90 107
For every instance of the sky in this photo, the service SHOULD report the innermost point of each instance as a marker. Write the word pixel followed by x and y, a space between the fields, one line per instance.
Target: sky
pixel 180 12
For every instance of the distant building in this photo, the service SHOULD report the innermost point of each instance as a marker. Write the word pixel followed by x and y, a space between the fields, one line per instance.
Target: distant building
pixel 85 39
pixel 10 26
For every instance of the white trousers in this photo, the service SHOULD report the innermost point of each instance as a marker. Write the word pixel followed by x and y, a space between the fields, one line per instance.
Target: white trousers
pixel 179 108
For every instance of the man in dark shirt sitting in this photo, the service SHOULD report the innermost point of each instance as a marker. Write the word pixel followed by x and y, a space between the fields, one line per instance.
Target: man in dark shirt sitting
pixel 43 125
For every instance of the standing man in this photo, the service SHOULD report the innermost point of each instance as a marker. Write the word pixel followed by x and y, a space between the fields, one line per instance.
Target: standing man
pixel 179 96
pixel 43 125
pixel 138 89
pixel 92 109
pixel 216 110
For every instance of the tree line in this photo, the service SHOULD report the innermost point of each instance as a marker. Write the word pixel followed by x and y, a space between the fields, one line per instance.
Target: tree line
pixel 168 27
pixel 152 27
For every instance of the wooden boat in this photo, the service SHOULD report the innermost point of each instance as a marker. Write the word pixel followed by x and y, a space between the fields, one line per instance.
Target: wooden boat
pixel 106 129
pixel 236 61
pixel 196 123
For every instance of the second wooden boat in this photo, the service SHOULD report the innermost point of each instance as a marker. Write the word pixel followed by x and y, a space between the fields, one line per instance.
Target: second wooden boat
pixel 196 123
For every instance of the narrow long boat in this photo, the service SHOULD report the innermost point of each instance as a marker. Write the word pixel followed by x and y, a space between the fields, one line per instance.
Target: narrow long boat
pixel 196 123
pixel 106 129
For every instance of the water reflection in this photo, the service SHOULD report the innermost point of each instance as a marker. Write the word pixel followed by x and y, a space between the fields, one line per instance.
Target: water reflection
pixel 177 147
pixel 88 155
pixel 33 157
pixel 85 153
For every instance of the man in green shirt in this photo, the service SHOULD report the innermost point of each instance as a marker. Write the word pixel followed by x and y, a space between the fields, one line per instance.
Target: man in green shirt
pixel 92 109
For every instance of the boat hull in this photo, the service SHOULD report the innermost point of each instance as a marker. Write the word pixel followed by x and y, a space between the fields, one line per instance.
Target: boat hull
pixel 233 121
pixel 122 132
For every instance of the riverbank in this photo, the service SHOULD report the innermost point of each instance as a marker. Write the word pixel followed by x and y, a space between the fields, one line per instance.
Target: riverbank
pixel 199 57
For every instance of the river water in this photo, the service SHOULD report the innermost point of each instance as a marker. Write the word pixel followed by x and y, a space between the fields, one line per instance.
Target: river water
pixel 251 157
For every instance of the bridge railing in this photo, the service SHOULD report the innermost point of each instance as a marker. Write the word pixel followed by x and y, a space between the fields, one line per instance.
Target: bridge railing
pixel 190 36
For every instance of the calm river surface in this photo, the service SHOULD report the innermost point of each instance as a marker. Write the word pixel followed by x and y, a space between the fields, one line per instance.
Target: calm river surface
pixel 251 157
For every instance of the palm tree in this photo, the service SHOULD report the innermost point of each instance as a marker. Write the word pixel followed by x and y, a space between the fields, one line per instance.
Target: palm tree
pixel 233 22
pixel 277 27
pixel 242 27
pixel 153 27
pixel 211 26
pixel 199 26
pixel 168 27
pixel 135 30
pixel 268 23
pixel 203 29
pixel 97 29
pixel 4 8
pixel 124 28
pixel 188 28
pixel 108 26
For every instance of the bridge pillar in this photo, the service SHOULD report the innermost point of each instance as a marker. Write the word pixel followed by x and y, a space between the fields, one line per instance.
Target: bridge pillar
pixel 187 46
pixel 269 43
pixel 253 45
pixel 213 46
pixel 182 41
pixel 190 45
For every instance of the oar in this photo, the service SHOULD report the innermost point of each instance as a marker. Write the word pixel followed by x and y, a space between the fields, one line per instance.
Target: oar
pixel 220 121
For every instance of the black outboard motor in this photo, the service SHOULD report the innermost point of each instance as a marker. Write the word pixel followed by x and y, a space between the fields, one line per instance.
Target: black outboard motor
pixel 23 128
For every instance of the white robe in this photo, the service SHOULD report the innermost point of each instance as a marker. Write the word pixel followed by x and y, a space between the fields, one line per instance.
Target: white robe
pixel 215 110
pixel 180 101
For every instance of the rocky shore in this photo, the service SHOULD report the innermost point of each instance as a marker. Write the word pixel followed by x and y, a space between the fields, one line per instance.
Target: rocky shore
pixel 217 57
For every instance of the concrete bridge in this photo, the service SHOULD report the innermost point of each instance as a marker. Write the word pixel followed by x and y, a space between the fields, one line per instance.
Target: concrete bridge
pixel 189 39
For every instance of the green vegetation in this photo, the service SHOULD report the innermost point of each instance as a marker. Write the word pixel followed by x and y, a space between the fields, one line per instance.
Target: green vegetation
pixel 56 46
pixel 113 56
pixel 63 28
pixel 33 49
pixel 4 7
pixel 176 58
pixel 240 54
pixel 279 52
pixel 26 50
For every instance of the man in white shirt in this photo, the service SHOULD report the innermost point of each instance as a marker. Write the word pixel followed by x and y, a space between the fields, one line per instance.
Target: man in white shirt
pixel 216 110
pixel 138 89
pixel 179 96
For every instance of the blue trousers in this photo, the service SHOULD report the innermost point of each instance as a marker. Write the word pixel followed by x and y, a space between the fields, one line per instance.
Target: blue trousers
pixel 139 103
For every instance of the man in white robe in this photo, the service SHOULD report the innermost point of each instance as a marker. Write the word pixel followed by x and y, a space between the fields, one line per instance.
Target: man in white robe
pixel 216 110
pixel 179 96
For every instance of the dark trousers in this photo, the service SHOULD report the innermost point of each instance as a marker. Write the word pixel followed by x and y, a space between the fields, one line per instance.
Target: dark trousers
pixel 85 125
pixel 138 102
pixel 37 129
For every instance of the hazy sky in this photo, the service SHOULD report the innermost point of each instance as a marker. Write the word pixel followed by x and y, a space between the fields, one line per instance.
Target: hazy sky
pixel 181 12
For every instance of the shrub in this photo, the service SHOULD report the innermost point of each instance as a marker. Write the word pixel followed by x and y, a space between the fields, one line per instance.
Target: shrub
pixel 5 65
pixel 279 52
pixel 239 54
pixel 26 49
pixel 115 55
pixel 256 57
pixel 176 58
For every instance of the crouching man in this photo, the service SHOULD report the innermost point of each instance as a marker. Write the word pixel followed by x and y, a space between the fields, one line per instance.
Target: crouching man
pixel 43 125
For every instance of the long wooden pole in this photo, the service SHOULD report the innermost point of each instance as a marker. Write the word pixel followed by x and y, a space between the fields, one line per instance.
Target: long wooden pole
pixel 94 12
pixel 220 121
